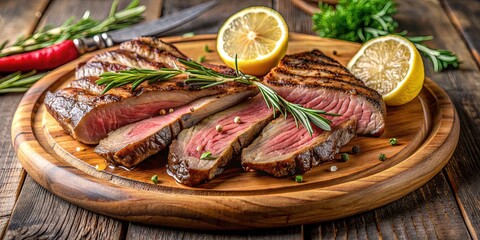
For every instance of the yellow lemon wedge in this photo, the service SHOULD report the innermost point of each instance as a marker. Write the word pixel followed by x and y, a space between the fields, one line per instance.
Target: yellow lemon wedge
pixel 391 65
pixel 257 35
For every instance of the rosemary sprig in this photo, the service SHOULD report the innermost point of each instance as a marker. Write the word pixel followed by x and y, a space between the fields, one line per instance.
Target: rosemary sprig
pixel 205 77
pixel 85 27
pixel 18 82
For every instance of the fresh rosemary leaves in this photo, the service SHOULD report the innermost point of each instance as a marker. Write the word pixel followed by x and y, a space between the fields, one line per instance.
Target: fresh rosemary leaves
pixel 85 27
pixel 362 20
pixel 205 77
pixel 18 82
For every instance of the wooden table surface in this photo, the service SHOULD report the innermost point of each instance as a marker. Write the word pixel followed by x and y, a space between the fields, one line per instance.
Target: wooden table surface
pixel 447 207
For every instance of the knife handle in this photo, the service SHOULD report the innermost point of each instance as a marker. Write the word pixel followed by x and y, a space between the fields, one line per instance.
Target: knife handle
pixel 98 41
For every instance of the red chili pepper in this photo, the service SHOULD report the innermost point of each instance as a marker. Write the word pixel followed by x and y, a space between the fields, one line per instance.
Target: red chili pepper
pixel 42 59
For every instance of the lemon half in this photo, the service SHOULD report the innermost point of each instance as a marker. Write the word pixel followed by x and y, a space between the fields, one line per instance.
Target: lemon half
pixel 391 65
pixel 257 35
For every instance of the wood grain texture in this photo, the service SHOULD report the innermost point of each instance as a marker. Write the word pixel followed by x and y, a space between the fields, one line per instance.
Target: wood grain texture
pixel 465 16
pixel 138 231
pixel 430 212
pixel 19 17
pixel 16 17
pixel 245 200
pixel 40 215
pixel 297 21
pixel 210 21
pixel 98 10
pixel 463 86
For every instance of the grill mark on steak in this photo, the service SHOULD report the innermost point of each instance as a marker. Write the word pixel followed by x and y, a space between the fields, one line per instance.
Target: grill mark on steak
pixel 95 68
pixel 154 49
pixel 272 151
pixel 282 148
pixel 294 88
pixel 88 117
pixel 184 162
pixel 131 144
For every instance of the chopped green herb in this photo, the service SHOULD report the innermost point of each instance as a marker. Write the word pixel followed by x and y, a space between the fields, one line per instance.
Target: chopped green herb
pixel 299 178
pixel 201 59
pixel 345 157
pixel 188 34
pixel 154 179
pixel 382 157
pixel 206 49
pixel 356 149
pixel 207 156
pixel 393 141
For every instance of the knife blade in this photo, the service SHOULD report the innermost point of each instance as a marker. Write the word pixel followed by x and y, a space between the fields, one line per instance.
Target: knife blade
pixel 150 28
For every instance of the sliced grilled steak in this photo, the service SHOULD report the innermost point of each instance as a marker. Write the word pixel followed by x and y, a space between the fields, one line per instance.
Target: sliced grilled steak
pixel 340 94
pixel 184 162
pixel 88 115
pixel 282 149
pixel 131 144
pixel 314 64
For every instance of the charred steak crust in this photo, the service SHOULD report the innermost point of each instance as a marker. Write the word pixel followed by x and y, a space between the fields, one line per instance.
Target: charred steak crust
pixel 323 149
pixel 313 70
pixel 186 166
pixel 126 149
pixel 313 81
pixel 69 104
pixel 131 155
pixel 82 116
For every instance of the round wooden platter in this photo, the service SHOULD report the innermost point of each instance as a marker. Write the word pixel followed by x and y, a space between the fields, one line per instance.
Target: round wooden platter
pixel 427 130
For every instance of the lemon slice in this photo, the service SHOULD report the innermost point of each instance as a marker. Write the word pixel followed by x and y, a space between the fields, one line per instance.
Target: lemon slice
pixel 257 35
pixel 391 65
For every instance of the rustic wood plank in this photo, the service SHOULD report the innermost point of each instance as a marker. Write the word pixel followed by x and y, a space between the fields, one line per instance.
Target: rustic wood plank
pixel 210 21
pixel 430 212
pixel 465 16
pixel 98 10
pixel 19 17
pixel 137 231
pixel 297 20
pixel 41 215
pixel 11 172
pixel 428 17
pixel 16 17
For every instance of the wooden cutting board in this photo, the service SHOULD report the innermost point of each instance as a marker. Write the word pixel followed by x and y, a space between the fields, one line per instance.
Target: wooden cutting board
pixel 427 130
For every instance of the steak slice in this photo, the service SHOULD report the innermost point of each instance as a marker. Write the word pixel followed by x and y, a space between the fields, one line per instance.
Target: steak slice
pixel 133 143
pixel 282 149
pixel 314 64
pixel 338 94
pixel 184 162
pixel 88 116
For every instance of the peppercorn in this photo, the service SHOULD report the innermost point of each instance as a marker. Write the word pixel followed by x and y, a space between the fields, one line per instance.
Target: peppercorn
pixel 356 149
pixel 393 141
pixel 382 157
